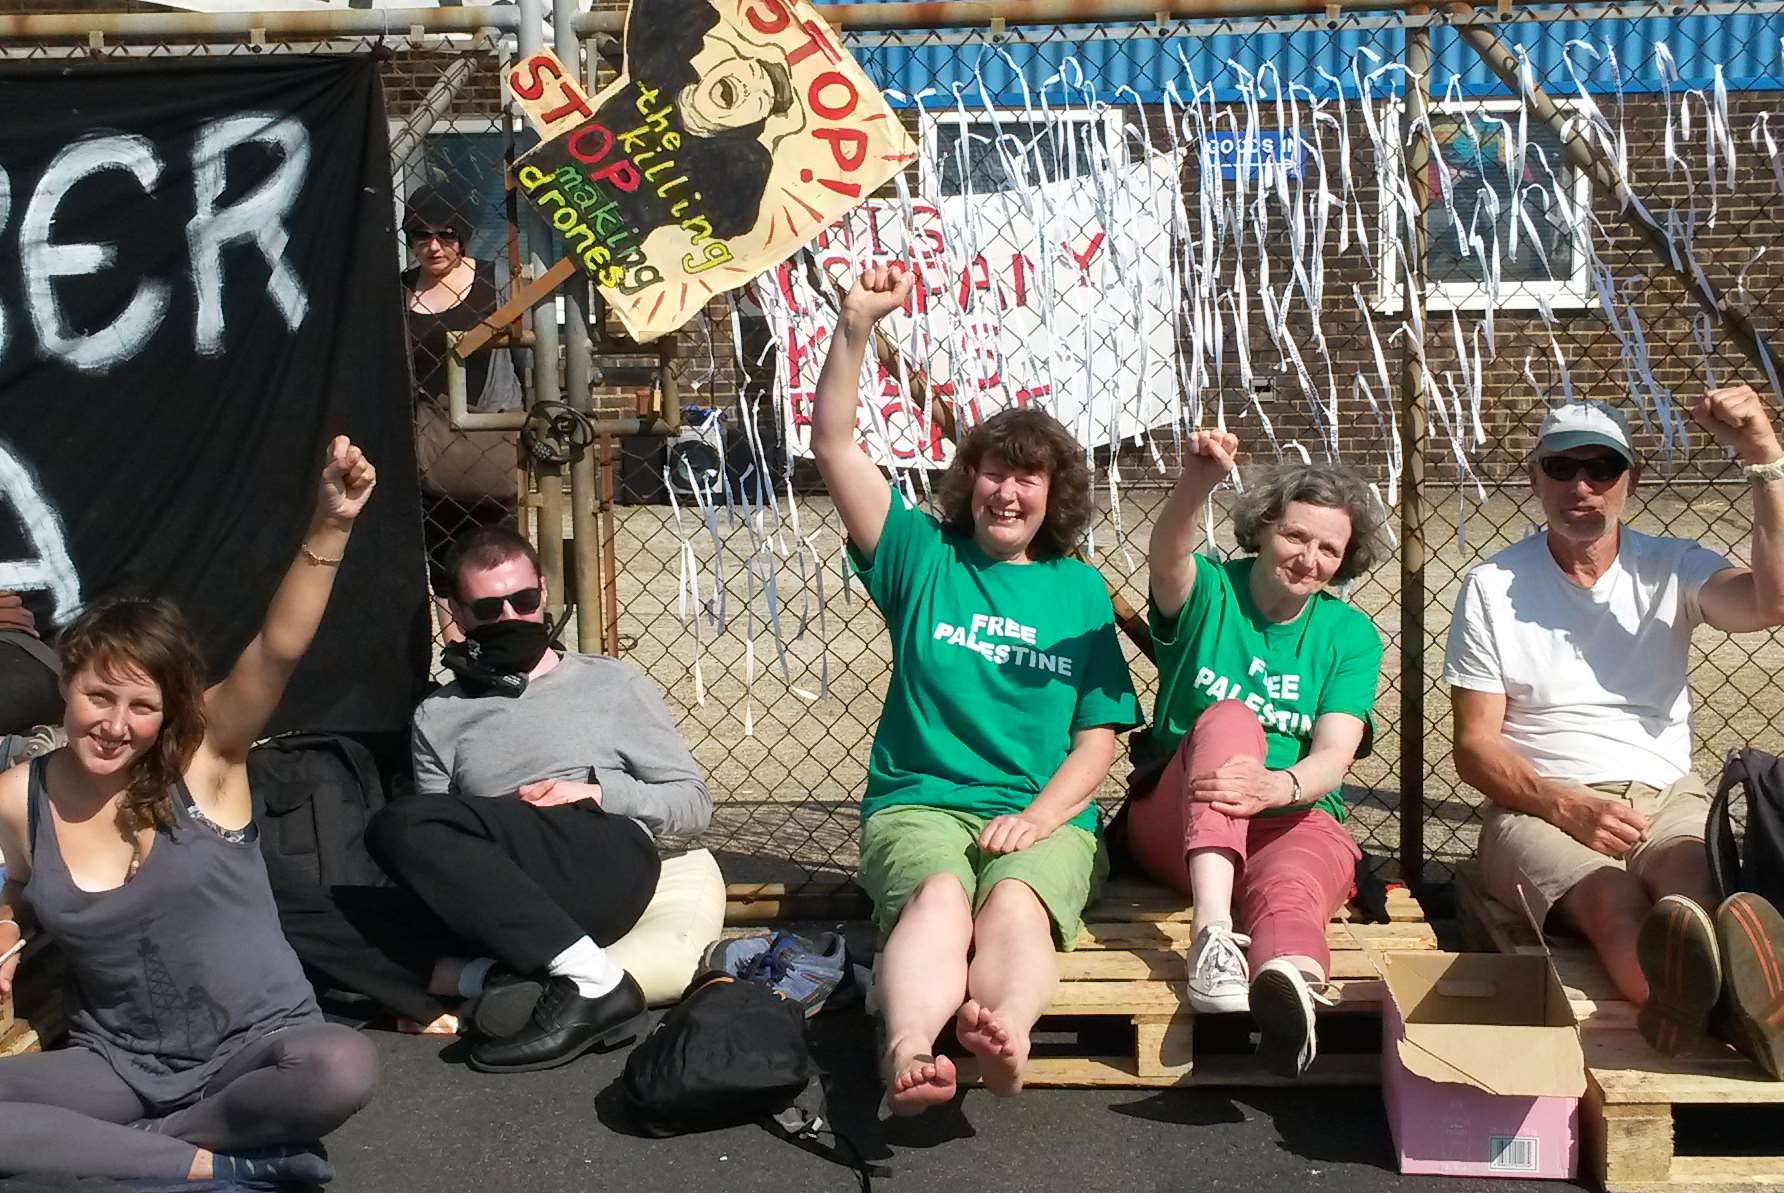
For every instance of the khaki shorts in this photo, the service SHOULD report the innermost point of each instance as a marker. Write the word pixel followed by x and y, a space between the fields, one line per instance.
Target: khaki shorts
pixel 1519 850
pixel 902 846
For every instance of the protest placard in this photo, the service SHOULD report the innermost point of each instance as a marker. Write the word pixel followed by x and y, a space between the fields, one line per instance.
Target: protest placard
pixel 737 131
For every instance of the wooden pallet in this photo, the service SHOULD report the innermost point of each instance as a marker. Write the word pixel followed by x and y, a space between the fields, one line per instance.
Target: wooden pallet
pixel 39 1017
pixel 1632 1092
pixel 1121 995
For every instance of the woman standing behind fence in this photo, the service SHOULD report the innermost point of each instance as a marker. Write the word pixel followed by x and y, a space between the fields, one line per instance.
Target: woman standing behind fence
pixel 467 477
pixel 197 1049
pixel 1265 686
pixel 1008 685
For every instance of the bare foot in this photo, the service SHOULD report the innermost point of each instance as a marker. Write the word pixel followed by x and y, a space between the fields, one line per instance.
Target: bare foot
pixel 918 1082
pixel 1001 1052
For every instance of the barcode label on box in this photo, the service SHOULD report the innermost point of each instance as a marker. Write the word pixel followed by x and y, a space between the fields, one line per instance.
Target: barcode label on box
pixel 1512 1153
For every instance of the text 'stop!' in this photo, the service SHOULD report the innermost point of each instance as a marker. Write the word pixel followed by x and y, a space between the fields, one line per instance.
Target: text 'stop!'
pixel 738 130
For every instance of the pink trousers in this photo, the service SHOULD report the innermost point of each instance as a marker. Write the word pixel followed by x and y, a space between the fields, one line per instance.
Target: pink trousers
pixel 1294 870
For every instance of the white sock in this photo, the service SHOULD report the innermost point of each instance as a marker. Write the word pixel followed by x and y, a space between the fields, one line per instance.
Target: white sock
pixel 588 965
pixel 473 975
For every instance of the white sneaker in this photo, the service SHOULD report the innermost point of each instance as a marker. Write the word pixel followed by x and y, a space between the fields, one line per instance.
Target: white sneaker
pixel 1282 1004
pixel 1219 982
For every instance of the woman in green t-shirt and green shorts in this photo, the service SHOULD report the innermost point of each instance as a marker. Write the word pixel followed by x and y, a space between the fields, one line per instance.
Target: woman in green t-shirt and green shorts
pixel 979 842
pixel 1266 681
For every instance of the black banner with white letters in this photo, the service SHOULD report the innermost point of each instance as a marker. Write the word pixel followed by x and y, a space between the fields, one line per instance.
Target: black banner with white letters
pixel 198 289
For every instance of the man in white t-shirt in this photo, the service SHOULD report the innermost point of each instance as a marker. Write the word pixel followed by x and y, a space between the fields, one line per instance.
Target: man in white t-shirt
pixel 1567 657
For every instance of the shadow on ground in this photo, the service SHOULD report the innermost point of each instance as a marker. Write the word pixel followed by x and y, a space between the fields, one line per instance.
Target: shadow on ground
pixel 437 1126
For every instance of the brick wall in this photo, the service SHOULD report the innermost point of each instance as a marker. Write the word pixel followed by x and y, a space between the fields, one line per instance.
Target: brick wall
pixel 1510 409
pixel 1745 222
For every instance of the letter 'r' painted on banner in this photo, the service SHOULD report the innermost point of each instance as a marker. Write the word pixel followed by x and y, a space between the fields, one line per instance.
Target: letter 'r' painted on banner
pixel 258 216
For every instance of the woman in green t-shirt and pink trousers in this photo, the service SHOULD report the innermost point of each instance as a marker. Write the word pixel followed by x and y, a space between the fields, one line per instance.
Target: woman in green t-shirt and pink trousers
pixel 979 842
pixel 1265 685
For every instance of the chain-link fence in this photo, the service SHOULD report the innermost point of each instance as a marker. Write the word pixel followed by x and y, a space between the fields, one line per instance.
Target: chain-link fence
pixel 1243 203
pixel 1298 280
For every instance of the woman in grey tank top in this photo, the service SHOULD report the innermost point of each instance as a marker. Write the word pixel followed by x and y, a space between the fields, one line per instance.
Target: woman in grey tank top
pixel 196 1049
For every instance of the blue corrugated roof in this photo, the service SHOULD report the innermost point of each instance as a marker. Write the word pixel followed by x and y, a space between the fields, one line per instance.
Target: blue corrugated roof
pixel 1110 59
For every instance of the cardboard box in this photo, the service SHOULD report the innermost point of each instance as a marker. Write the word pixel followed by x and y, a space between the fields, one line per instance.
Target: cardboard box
pixel 1481 1066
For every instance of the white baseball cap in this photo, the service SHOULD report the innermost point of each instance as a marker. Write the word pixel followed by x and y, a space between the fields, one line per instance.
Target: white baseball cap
pixel 1584 424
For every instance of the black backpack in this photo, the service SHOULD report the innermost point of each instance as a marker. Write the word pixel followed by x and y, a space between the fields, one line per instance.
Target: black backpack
pixel 314 794
pixel 729 1053
pixel 1755 864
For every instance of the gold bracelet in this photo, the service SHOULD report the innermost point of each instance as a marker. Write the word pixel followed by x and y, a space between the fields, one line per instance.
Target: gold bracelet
pixel 320 560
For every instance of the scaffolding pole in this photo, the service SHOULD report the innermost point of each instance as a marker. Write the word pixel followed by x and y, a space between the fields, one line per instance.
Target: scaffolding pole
pixel 1413 436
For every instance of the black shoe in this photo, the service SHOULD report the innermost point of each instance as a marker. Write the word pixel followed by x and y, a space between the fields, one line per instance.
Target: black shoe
pixel 506 1005
pixel 564 1025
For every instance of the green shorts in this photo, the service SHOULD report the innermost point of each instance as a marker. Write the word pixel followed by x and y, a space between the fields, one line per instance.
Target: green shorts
pixel 902 846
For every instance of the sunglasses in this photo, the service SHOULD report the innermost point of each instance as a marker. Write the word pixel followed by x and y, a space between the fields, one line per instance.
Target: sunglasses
pixel 1600 470
pixel 443 235
pixel 522 601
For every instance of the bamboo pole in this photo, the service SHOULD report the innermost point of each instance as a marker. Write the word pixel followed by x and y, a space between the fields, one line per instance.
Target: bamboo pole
pixel 1413 434
pixel 550 478
pixel 1590 160
pixel 609 560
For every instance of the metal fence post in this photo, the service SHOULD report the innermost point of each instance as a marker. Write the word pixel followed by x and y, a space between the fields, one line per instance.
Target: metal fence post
pixel 576 330
pixel 411 138
pixel 545 350
pixel 578 376
pixel 1412 497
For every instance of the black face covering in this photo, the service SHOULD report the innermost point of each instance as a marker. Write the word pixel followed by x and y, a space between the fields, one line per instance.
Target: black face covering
pixel 495 659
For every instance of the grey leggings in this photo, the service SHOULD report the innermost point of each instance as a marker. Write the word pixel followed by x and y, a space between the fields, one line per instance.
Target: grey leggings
pixel 66 1113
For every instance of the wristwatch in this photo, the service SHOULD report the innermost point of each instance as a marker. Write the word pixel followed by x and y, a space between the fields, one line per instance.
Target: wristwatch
pixel 1296 780
pixel 1759 474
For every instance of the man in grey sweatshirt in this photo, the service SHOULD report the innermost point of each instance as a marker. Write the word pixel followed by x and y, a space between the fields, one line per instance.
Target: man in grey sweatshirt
pixel 543 778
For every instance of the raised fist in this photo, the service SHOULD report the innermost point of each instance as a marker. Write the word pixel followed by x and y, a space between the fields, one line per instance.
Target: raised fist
pixel 347 480
pixel 1736 416
pixel 878 292
pixel 1214 454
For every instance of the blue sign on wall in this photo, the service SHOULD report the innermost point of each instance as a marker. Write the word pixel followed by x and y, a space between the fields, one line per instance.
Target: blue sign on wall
pixel 1256 155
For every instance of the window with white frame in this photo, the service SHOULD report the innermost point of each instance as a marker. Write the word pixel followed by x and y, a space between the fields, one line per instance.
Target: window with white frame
pixel 1477 140
pixel 980 150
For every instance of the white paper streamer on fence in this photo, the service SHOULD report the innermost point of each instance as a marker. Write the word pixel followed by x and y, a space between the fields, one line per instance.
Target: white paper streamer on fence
pixel 1135 299
pixel 1025 296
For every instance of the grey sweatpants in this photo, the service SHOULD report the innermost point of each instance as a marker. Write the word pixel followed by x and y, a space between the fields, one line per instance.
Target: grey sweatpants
pixel 66 1113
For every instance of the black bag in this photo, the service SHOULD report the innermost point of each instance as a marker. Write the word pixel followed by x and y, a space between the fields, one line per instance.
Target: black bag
pixel 1757 863
pixel 729 1053
pixel 314 794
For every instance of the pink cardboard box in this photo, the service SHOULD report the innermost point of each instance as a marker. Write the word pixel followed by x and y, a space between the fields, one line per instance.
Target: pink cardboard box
pixel 1481 1066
